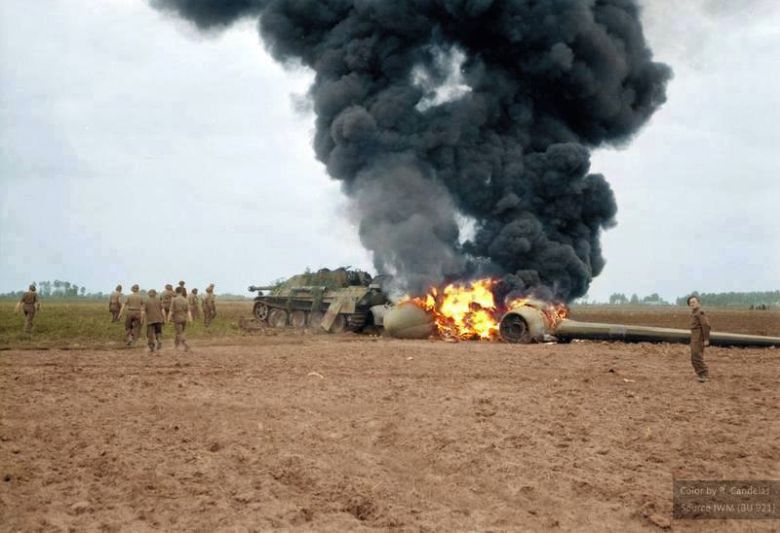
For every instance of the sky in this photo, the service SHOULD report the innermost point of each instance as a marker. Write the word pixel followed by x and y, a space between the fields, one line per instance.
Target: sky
pixel 135 149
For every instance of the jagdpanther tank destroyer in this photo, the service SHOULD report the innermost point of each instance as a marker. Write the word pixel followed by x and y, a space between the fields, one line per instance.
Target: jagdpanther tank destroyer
pixel 334 300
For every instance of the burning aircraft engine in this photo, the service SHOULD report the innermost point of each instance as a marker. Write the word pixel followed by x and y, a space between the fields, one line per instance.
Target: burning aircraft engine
pixel 408 321
pixel 529 323
pixel 523 324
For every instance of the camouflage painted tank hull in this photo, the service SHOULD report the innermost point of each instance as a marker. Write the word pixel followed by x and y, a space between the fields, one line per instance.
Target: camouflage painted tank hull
pixel 336 301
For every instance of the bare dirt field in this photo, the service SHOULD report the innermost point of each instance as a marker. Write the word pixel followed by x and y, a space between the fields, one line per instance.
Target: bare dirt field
pixel 350 433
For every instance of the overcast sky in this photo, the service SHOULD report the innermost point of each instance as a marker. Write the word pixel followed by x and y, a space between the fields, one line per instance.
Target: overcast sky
pixel 135 149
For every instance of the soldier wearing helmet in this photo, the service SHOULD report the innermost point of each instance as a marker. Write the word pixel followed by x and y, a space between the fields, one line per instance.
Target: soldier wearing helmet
pixel 193 300
pixel 30 304
pixel 153 313
pixel 134 305
pixel 209 306
pixel 180 314
pixel 115 303
pixel 167 296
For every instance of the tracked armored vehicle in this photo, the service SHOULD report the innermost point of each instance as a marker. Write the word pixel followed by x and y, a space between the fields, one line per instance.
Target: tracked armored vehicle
pixel 334 300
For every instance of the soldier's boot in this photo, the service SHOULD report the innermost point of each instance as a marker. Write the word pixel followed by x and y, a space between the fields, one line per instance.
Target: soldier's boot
pixel 159 345
pixel 150 348
pixel 186 346
pixel 703 377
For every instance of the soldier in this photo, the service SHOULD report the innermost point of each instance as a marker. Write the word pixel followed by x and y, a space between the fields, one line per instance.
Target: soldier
pixel 167 297
pixel 115 303
pixel 134 305
pixel 209 306
pixel 181 315
pixel 153 311
pixel 181 284
pixel 700 337
pixel 30 304
pixel 193 302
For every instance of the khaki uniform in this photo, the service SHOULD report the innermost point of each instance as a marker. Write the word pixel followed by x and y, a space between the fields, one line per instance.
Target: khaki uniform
pixel 154 322
pixel 192 300
pixel 167 297
pixel 133 306
pixel 180 309
pixel 115 305
pixel 30 306
pixel 209 308
pixel 700 332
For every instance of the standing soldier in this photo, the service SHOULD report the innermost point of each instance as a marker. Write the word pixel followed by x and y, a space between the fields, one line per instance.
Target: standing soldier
pixel 134 305
pixel 209 306
pixel 115 303
pixel 181 284
pixel 181 315
pixel 167 298
pixel 154 321
pixel 192 300
pixel 30 304
pixel 700 337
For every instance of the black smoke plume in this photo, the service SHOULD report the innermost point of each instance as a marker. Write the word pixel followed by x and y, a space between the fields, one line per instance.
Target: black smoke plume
pixel 432 112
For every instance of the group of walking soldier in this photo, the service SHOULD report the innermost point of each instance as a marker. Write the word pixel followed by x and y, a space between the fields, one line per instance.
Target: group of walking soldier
pixel 171 306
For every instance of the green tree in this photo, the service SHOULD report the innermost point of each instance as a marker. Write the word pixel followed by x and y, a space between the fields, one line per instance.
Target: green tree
pixel 618 298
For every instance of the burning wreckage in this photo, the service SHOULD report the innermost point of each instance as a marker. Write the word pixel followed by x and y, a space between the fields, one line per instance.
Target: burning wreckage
pixel 350 300
pixel 466 312
pixel 432 113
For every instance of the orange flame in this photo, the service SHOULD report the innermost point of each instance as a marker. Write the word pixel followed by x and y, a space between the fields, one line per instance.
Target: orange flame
pixel 469 311
pixel 553 313
pixel 462 311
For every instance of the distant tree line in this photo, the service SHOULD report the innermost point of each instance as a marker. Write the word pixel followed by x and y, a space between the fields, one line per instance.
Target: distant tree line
pixel 760 299
pixel 754 300
pixel 619 298
pixel 57 289
pixel 65 289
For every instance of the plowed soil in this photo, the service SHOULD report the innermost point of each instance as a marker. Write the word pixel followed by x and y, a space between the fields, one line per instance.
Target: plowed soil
pixel 310 432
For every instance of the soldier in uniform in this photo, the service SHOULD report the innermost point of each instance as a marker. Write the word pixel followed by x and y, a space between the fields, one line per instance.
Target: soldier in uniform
pixel 30 304
pixel 134 305
pixel 181 284
pixel 115 303
pixel 180 312
pixel 167 297
pixel 193 301
pixel 209 306
pixel 700 337
pixel 154 321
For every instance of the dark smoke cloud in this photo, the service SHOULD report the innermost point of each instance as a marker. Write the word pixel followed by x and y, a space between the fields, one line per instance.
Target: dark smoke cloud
pixel 546 82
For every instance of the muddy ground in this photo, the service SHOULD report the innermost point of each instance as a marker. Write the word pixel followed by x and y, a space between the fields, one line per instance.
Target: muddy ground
pixel 349 433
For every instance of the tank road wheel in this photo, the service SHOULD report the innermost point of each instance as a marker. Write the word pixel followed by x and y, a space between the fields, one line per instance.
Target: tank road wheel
pixel 261 311
pixel 298 319
pixel 356 321
pixel 277 318
pixel 339 324
pixel 315 319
